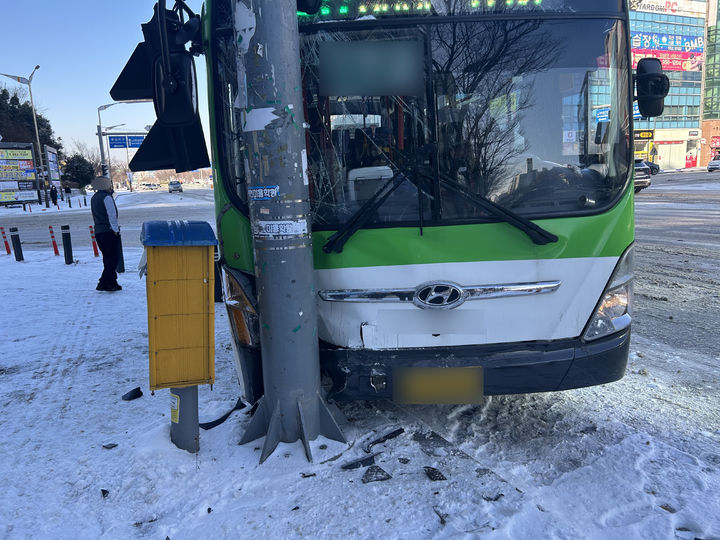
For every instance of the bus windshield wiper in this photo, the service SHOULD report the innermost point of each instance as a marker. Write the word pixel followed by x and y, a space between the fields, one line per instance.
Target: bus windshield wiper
pixel 363 214
pixel 536 233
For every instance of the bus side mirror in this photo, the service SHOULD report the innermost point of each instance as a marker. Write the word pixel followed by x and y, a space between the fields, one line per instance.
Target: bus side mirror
pixel 652 87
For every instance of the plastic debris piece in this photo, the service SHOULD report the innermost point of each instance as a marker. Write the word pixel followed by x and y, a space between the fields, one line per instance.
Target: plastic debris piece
pixel 375 474
pixel 132 394
pixel 443 517
pixel 209 425
pixel 382 439
pixel 433 474
pixel 104 493
pixel 362 462
pixel 404 460
pixel 109 446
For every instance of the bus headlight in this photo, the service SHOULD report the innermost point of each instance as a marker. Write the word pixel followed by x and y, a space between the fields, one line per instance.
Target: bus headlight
pixel 614 311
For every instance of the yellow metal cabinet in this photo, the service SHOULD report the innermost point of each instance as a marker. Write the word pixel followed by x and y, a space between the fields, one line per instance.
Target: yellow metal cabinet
pixel 180 302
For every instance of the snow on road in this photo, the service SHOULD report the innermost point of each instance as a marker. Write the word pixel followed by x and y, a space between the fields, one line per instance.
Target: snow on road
pixel 639 458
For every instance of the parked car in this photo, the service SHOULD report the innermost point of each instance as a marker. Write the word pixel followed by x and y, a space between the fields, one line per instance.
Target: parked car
pixel 642 175
pixel 714 165
pixel 174 185
pixel 654 167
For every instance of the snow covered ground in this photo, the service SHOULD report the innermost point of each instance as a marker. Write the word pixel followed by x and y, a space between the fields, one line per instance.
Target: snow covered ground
pixel 639 458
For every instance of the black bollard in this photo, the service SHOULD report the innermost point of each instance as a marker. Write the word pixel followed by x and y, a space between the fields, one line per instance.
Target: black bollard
pixel 121 259
pixel 17 248
pixel 67 243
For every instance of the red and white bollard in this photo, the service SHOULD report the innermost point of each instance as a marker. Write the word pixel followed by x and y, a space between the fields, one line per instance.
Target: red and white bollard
pixel 54 243
pixel 94 244
pixel 7 245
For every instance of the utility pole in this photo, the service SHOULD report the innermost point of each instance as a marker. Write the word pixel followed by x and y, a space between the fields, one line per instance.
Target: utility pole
pixel 273 131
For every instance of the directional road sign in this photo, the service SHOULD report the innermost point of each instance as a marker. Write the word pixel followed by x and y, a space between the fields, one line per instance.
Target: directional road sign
pixel 118 141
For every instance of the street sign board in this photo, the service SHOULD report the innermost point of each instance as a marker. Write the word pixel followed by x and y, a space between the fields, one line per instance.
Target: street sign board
pixel 117 141
pixel 603 114
pixel 18 174
pixel 134 141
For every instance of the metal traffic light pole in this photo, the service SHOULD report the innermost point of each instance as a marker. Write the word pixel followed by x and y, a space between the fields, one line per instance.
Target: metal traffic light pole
pixel 292 407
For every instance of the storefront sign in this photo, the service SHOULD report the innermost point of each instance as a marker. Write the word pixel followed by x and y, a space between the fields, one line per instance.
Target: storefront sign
pixel 667 42
pixel 644 134
pixel 671 60
pixel 17 173
pixel 9 153
pixel 685 8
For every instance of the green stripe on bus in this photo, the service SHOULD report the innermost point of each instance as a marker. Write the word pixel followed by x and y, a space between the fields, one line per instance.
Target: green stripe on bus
pixel 603 235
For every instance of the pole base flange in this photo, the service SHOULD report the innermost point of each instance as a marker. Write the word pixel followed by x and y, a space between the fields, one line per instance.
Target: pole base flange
pixel 306 425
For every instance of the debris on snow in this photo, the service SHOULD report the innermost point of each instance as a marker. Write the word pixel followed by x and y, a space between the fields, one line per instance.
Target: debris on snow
pixel 433 474
pixel 361 462
pixel 375 474
pixel 132 394
pixel 386 437
pixel 443 517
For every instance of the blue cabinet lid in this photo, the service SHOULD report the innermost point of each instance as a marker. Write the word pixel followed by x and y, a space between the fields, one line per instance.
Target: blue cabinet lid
pixel 177 233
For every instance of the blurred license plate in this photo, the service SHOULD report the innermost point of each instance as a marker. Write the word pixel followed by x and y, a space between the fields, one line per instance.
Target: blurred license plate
pixel 438 385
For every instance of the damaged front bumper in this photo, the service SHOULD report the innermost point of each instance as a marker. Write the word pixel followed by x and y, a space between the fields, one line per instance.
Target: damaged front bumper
pixel 518 368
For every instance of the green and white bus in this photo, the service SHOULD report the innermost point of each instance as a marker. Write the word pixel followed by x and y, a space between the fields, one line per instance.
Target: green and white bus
pixel 470 165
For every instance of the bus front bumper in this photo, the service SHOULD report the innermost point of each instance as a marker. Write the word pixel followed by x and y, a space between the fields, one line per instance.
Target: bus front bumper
pixel 515 368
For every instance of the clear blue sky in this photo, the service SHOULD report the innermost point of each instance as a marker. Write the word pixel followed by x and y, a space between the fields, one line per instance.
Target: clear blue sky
pixel 81 46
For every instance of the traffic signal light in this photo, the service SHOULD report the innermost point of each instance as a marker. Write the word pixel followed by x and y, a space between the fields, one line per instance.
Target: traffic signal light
pixel 163 70
pixel 309 6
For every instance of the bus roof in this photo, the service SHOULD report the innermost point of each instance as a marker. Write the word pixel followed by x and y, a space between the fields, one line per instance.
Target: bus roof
pixel 333 10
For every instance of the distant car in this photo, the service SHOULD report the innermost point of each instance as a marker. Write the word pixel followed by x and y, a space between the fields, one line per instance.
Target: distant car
pixel 714 165
pixel 654 167
pixel 174 185
pixel 642 175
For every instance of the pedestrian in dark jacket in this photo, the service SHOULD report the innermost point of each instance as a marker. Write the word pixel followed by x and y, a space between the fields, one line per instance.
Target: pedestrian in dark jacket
pixel 53 194
pixel 107 232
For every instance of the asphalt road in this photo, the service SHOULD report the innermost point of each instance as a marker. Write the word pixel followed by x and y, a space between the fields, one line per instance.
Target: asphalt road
pixel 133 209
pixel 677 261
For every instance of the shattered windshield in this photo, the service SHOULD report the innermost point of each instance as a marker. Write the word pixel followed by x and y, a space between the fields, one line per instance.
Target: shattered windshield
pixel 414 122
pixel 531 114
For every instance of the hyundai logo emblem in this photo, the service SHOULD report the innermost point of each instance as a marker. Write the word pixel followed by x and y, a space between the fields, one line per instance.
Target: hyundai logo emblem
pixel 439 295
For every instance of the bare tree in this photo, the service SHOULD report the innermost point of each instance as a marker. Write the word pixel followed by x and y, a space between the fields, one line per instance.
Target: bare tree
pixel 485 68
pixel 91 154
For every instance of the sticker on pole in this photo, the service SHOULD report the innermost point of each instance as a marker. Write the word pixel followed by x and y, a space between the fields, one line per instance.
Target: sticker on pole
pixel 174 408
pixel 263 193
pixel 279 229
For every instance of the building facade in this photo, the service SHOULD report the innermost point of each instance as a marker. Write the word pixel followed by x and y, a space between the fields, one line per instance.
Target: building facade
pixel 710 146
pixel 674 32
